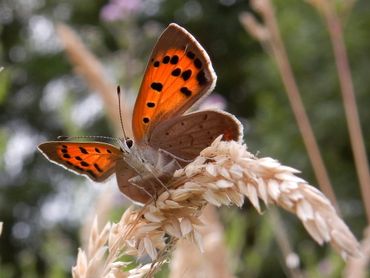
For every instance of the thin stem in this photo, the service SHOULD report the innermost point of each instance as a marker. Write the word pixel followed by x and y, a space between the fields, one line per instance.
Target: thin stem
pixel 357 266
pixel 277 48
pixel 284 244
pixel 90 68
pixel 213 262
pixel 349 101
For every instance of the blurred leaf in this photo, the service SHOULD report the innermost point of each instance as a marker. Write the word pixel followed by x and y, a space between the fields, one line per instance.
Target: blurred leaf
pixel 4 85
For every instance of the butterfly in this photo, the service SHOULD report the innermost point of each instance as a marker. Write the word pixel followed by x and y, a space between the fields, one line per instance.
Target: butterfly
pixel 178 75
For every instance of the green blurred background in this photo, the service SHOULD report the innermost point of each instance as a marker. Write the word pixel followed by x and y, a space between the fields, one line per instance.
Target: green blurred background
pixel 43 207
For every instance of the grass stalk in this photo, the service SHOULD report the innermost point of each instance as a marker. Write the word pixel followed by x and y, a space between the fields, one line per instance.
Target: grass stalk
pixel 274 43
pixel 286 249
pixel 90 69
pixel 327 9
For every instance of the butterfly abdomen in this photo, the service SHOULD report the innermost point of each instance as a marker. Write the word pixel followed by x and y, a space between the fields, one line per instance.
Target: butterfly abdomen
pixel 144 173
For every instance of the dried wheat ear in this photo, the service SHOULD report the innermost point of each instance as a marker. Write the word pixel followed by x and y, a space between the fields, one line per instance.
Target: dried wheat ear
pixel 225 173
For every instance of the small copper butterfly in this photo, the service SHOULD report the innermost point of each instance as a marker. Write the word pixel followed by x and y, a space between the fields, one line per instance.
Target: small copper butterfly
pixel 178 75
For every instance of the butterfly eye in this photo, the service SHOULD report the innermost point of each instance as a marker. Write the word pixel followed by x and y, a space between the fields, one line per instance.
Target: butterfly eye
pixel 129 143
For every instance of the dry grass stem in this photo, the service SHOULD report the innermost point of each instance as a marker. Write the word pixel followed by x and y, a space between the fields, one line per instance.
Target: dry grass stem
pixel 327 9
pixel 187 259
pixel 103 206
pixel 88 66
pixel 358 267
pixel 276 47
pixel 223 174
pixel 291 259
pixel 256 29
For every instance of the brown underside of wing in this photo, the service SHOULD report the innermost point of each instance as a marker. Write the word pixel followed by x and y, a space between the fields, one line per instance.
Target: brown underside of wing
pixel 187 135
pixel 139 187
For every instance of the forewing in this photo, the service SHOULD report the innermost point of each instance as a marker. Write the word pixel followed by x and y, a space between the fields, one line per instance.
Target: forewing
pixel 187 135
pixel 94 160
pixel 178 74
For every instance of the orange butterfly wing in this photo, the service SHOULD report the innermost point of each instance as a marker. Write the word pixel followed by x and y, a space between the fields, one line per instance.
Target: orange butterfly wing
pixel 94 160
pixel 178 74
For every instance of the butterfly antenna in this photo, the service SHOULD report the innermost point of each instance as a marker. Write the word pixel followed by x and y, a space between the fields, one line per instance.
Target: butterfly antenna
pixel 65 138
pixel 120 111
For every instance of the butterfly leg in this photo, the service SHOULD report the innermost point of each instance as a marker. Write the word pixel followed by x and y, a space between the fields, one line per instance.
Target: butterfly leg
pixel 141 183
pixel 149 186
pixel 156 175
pixel 142 179
pixel 176 159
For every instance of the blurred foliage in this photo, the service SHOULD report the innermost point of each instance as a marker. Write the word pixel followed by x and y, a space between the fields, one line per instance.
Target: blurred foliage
pixel 43 207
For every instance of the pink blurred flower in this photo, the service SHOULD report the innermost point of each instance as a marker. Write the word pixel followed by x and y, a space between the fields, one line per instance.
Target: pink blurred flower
pixel 215 101
pixel 120 9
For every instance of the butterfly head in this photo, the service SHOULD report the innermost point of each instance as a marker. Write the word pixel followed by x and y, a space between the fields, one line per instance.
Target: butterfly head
pixel 125 144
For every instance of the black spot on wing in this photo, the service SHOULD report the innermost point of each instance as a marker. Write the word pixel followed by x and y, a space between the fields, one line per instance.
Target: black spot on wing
pixel 166 59
pixel 186 74
pixel 83 150
pixel 201 78
pixel 186 91
pixel 91 173
pixel 157 86
pixel 176 72
pixel 190 55
pixel 174 59
pixel 197 63
pixel 98 168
